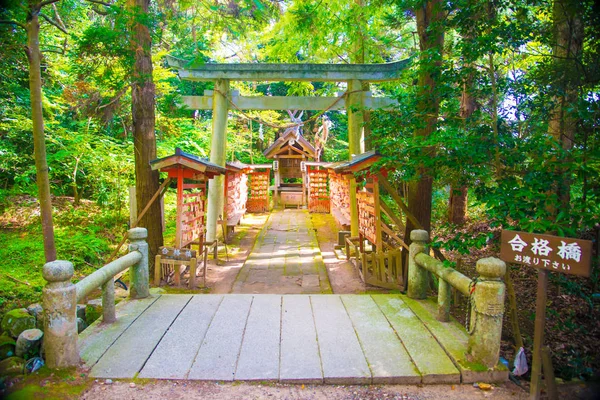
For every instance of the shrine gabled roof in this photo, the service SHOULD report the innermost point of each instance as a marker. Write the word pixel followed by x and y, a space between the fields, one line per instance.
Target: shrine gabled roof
pixel 358 163
pixel 283 143
pixel 188 161
pixel 235 166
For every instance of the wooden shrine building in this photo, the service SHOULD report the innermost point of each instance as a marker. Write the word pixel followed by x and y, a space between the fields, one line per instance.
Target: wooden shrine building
pixel 191 174
pixel 289 152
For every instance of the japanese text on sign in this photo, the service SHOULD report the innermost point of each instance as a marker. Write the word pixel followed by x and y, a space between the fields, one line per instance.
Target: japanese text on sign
pixel 569 256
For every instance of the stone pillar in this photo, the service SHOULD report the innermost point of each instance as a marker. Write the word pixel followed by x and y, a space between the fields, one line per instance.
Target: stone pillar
pixel 354 105
pixel 487 312
pixel 218 149
pixel 60 310
pixel 418 281
pixel 139 285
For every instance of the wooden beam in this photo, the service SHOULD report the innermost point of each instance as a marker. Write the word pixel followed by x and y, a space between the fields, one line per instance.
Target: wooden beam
pixel 392 192
pixel 391 233
pixel 388 211
pixel 288 103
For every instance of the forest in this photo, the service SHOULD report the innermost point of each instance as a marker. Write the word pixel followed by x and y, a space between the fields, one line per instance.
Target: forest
pixel 497 125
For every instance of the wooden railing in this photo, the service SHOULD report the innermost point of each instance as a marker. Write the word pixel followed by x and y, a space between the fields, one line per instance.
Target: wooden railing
pixel 60 297
pixel 485 293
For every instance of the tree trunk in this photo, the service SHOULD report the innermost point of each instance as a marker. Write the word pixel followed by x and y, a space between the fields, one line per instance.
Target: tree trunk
pixel 431 41
pixel 568 36
pixel 142 110
pixel 39 140
pixel 457 207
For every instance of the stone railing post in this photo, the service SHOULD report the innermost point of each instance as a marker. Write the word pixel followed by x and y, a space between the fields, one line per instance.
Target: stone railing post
pixel 487 311
pixel 60 315
pixel 417 276
pixel 138 274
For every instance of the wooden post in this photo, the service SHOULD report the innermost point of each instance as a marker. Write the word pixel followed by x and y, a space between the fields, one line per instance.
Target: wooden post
pixel 538 338
pixel 549 381
pixel 132 207
pixel 178 229
pixel 512 303
pixel 157 270
pixel 377 209
pixel 218 148
pixel 193 267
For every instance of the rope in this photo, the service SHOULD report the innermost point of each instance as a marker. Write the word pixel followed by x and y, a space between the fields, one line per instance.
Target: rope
pixel 470 325
pixel 275 126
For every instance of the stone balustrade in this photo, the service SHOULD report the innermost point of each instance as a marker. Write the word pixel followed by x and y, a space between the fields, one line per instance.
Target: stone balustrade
pixel 60 297
pixel 486 295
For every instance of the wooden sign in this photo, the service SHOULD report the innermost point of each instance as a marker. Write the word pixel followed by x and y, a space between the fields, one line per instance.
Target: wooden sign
pixel 553 253
pixel 172 253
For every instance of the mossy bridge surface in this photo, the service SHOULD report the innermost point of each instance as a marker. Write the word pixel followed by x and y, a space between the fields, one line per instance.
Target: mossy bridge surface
pixel 351 339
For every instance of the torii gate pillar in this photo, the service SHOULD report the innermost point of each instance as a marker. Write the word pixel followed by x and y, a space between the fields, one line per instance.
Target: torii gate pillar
pixel 356 143
pixel 218 150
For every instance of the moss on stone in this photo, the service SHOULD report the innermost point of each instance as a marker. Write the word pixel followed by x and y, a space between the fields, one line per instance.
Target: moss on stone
pixel 16 321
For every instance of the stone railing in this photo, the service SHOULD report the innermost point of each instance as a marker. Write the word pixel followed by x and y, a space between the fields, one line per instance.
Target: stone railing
pixel 486 295
pixel 60 297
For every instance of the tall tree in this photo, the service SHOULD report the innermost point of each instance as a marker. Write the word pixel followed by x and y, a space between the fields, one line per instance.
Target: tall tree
pixel 429 15
pixel 567 53
pixel 32 50
pixel 143 114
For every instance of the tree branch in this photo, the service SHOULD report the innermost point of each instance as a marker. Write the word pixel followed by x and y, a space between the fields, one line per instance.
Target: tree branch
pixel 103 3
pixel 54 23
pixel 57 16
pixel 45 3
pixel 20 25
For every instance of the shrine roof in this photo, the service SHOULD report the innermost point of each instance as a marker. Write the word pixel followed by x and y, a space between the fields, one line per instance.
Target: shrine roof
pixel 288 142
pixel 235 166
pixel 188 161
pixel 357 164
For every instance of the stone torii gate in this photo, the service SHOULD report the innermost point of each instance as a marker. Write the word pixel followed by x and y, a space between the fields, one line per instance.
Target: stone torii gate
pixel 219 101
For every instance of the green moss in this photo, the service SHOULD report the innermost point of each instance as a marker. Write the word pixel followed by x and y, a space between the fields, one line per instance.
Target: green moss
pixel 65 384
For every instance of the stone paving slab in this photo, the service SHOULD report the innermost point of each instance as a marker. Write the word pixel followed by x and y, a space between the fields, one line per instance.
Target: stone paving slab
pixel 300 359
pixel 388 359
pixel 286 247
pixel 218 354
pixel 341 354
pixel 126 357
pixel 97 338
pixel 259 356
pixel 175 353
pixel 349 339
pixel 429 357
pixel 453 337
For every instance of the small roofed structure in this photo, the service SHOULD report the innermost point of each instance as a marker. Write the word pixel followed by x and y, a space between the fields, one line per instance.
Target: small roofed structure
pixel 288 153
pixel 191 173
pixel 358 163
pixel 191 206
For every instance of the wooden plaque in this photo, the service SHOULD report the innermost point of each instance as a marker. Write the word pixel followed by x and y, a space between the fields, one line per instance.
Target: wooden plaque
pixel 557 254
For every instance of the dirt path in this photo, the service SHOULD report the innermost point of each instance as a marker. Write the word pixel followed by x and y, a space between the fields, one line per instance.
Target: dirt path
pixel 227 391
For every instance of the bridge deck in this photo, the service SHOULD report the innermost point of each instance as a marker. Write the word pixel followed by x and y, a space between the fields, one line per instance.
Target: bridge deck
pixel 287 338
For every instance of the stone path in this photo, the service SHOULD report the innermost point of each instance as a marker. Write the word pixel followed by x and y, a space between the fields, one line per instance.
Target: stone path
pixel 337 339
pixel 286 258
